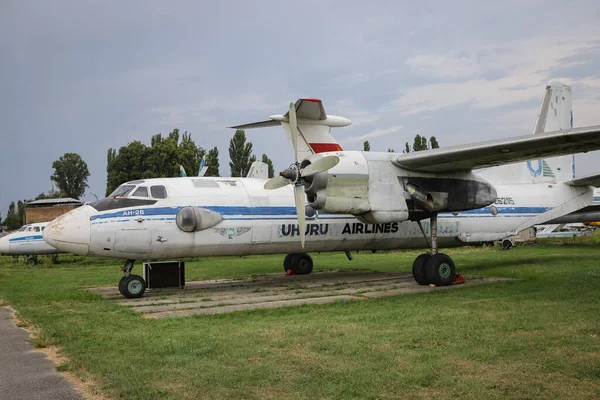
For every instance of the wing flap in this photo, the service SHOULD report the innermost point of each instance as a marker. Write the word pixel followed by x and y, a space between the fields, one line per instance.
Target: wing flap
pixel 504 151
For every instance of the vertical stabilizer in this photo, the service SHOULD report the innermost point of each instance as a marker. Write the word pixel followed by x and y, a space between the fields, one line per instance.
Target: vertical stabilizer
pixel 556 113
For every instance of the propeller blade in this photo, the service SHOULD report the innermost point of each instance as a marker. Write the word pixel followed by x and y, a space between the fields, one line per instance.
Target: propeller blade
pixel 320 165
pixel 294 129
pixel 276 182
pixel 299 197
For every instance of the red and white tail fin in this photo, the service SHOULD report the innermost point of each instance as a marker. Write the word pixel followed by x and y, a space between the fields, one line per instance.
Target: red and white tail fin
pixel 314 126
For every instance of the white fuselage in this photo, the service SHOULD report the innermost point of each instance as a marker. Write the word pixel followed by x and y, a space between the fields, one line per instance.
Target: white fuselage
pixel 257 221
pixel 27 241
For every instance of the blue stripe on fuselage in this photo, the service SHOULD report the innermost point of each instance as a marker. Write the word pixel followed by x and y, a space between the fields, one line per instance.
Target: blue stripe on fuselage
pixel 285 212
pixel 26 238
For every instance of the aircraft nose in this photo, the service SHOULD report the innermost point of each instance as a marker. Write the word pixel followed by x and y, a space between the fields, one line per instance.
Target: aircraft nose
pixel 70 232
pixel 4 245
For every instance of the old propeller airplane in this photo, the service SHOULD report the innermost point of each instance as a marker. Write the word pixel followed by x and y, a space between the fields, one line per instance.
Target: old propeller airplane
pixel 355 201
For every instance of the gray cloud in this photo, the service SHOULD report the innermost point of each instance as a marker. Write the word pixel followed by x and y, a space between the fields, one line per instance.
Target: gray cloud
pixel 85 76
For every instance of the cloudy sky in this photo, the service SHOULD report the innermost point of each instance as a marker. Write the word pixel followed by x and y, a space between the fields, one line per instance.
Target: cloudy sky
pixel 83 76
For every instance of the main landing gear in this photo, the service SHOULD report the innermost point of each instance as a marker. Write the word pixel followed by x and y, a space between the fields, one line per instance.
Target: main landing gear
pixel 435 268
pixel 298 264
pixel 131 286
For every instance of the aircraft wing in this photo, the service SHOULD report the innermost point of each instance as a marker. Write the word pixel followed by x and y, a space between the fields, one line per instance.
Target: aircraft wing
pixel 503 151
pixel 590 180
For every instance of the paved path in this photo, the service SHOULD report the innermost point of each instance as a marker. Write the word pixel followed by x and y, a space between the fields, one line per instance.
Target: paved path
pixel 273 290
pixel 24 372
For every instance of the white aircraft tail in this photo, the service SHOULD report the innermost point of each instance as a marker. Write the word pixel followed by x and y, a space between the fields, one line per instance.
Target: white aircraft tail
pixel 258 170
pixel 556 113
pixel 314 127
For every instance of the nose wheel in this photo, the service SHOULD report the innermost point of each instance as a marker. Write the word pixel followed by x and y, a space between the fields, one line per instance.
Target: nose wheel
pixel 131 286
pixel 435 268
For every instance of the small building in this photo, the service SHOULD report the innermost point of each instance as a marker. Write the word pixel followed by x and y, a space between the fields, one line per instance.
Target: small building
pixel 46 210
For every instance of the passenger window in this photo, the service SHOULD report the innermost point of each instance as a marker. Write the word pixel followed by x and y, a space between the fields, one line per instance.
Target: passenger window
pixel 158 192
pixel 29 229
pixel 142 191
pixel 43 228
pixel 36 228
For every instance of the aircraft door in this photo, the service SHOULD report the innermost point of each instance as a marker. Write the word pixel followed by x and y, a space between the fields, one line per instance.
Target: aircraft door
pixel 133 240
pixel 261 227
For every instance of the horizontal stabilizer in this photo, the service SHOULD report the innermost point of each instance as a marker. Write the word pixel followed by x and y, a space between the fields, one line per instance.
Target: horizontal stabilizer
pixel 261 124
pixel 504 151
pixel 590 180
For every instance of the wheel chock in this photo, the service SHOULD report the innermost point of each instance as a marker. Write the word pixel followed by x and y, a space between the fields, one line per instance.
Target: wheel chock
pixel 289 272
pixel 458 279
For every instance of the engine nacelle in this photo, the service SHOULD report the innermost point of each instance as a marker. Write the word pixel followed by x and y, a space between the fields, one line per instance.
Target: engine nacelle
pixel 341 190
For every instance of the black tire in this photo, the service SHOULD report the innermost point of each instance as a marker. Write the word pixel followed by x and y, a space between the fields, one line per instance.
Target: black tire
pixel 31 261
pixel 301 264
pixel 418 269
pixel 507 244
pixel 132 287
pixel 286 262
pixel 121 286
pixel 440 270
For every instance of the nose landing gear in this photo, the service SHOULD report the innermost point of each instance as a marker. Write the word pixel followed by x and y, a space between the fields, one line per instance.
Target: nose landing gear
pixel 131 286
pixel 435 268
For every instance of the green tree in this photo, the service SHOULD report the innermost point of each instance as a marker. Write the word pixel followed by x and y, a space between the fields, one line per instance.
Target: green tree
pixel 269 163
pixel 212 161
pixel 366 146
pixel 420 143
pixel 240 154
pixel 433 143
pixel 70 175
pixel 406 148
pixel 159 160
pixel 391 150
pixel 12 220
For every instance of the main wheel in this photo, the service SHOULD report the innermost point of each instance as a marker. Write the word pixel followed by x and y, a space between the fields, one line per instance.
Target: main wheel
pixel 418 269
pixel 301 264
pixel 132 286
pixel 286 262
pixel 507 244
pixel 440 270
pixel 31 261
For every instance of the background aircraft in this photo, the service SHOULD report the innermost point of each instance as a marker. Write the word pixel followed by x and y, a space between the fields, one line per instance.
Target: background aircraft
pixel 27 242
pixel 356 201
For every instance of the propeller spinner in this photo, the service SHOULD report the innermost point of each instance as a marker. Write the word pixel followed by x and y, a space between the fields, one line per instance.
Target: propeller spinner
pixel 294 174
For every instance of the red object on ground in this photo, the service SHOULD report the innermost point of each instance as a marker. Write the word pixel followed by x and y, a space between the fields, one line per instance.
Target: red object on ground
pixel 289 272
pixel 458 279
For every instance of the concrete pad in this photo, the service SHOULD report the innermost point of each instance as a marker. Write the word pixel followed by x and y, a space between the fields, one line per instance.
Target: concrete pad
pixel 271 291
pixel 26 373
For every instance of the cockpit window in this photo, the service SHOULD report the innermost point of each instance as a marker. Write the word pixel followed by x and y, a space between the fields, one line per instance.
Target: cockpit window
pixel 142 191
pixel 29 229
pixel 23 229
pixel 158 192
pixel 122 191
pixel 36 228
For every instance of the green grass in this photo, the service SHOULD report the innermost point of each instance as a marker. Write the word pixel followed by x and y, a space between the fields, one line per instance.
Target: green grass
pixel 536 337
